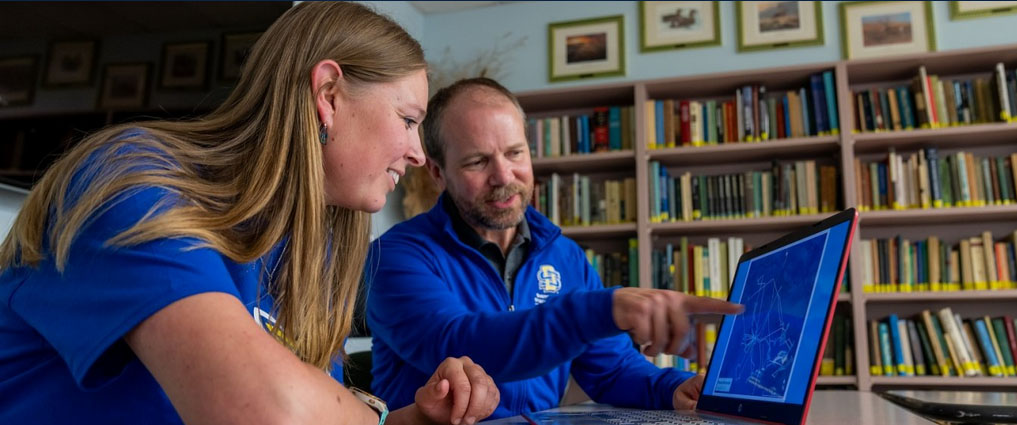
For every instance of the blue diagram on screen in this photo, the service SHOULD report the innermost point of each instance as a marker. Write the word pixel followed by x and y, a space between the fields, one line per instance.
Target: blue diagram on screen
pixel 777 293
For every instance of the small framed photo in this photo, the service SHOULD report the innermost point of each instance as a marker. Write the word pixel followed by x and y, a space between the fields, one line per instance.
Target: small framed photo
pixel 17 80
pixel 70 63
pixel 124 86
pixel 586 48
pixel 184 65
pixel 235 48
pixel 666 25
pixel 886 28
pixel 766 25
pixel 980 9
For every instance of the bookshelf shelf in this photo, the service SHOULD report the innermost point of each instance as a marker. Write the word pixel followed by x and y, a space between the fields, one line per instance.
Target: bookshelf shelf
pixel 781 148
pixel 837 380
pixel 950 225
pixel 961 136
pixel 744 225
pixel 600 230
pixel 592 162
pixel 980 381
pixel 938 215
pixel 917 297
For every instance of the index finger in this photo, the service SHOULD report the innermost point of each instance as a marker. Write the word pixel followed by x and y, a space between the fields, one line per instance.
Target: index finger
pixel 703 305
pixel 460 387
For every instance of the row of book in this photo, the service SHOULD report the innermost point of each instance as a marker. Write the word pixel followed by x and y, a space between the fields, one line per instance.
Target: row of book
pixel 838 355
pixel 616 268
pixel 942 344
pixel 752 115
pixel 580 201
pixel 927 179
pixel 606 128
pixel 789 188
pixel 932 102
pixel 704 338
pixel 901 265
pixel 701 270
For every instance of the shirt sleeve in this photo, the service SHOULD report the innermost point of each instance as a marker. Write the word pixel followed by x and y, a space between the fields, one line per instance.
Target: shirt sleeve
pixel 105 291
pixel 612 371
pixel 433 323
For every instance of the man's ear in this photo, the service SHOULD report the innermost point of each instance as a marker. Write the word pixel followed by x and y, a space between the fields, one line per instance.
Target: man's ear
pixel 437 174
pixel 325 78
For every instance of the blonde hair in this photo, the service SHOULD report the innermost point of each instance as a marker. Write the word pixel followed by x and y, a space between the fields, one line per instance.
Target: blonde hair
pixel 247 176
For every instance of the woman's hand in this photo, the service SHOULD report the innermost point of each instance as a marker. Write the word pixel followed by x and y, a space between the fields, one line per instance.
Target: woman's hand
pixel 687 393
pixel 459 392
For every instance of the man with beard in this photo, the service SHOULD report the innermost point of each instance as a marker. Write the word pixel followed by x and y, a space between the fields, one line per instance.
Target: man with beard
pixel 483 274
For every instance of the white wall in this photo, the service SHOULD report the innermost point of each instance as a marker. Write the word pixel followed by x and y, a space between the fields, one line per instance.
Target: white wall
pixel 470 31
pixel 11 199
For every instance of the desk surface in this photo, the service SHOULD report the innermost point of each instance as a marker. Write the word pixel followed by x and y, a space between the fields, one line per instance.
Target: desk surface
pixel 829 407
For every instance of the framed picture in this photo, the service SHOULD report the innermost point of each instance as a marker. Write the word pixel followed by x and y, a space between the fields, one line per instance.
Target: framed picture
pixel 235 48
pixel 586 48
pixel 124 86
pixel 776 24
pixel 17 80
pixel 184 65
pixel 70 63
pixel 980 9
pixel 665 25
pixel 886 28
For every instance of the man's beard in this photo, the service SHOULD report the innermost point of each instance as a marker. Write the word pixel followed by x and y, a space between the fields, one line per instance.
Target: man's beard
pixel 479 213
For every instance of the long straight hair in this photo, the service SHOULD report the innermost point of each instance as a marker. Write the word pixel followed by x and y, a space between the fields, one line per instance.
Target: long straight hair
pixel 246 177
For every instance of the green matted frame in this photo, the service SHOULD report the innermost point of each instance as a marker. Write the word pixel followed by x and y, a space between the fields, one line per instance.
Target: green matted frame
pixel 844 6
pixel 645 47
pixel 1004 9
pixel 819 40
pixel 568 76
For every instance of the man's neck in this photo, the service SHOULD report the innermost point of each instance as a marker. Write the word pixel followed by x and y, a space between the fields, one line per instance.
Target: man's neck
pixel 502 238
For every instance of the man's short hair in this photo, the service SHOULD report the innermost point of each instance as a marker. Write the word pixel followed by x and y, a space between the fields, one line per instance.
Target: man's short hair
pixel 434 144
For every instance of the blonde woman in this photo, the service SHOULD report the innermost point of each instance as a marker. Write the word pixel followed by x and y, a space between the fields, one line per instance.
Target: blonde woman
pixel 130 279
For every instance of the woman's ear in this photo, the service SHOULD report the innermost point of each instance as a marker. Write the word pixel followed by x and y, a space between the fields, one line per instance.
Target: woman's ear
pixel 325 77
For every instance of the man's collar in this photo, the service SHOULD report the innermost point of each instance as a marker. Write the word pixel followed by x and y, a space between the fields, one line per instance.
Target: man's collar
pixel 468 235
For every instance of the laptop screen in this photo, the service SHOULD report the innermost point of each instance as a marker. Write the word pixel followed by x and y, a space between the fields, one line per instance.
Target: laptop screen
pixel 768 353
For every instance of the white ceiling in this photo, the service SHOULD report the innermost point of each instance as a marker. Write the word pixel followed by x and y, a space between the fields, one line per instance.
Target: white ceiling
pixel 433 7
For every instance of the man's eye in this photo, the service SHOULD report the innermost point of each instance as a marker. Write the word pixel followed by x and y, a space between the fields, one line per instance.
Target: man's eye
pixel 410 122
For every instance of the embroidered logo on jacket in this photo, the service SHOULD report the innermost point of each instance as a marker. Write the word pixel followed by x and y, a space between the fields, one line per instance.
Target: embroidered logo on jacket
pixel 548 279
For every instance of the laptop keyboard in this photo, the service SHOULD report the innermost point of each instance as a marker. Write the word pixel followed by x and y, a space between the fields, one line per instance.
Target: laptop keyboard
pixel 651 417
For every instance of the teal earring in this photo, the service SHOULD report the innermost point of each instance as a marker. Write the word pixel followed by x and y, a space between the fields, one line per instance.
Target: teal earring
pixel 323 134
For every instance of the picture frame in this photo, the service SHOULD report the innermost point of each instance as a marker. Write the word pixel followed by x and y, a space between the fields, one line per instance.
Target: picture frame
pixel 70 63
pixel 886 28
pixel 980 9
pixel 233 54
pixel 124 86
pixel 185 65
pixel 765 25
pixel 588 48
pixel 18 75
pixel 668 25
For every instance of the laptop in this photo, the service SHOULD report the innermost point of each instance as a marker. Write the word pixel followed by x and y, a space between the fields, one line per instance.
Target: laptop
pixel 765 360
pixel 959 406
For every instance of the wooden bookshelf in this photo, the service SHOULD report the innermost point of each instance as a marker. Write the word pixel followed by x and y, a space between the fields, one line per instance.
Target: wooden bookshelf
pixel 924 297
pixel 938 215
pixel 841 149
pixel 785 148
pixel 837 380
pixel 584 163
pixel 600 231
pixel 945 381
pixel 737 225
